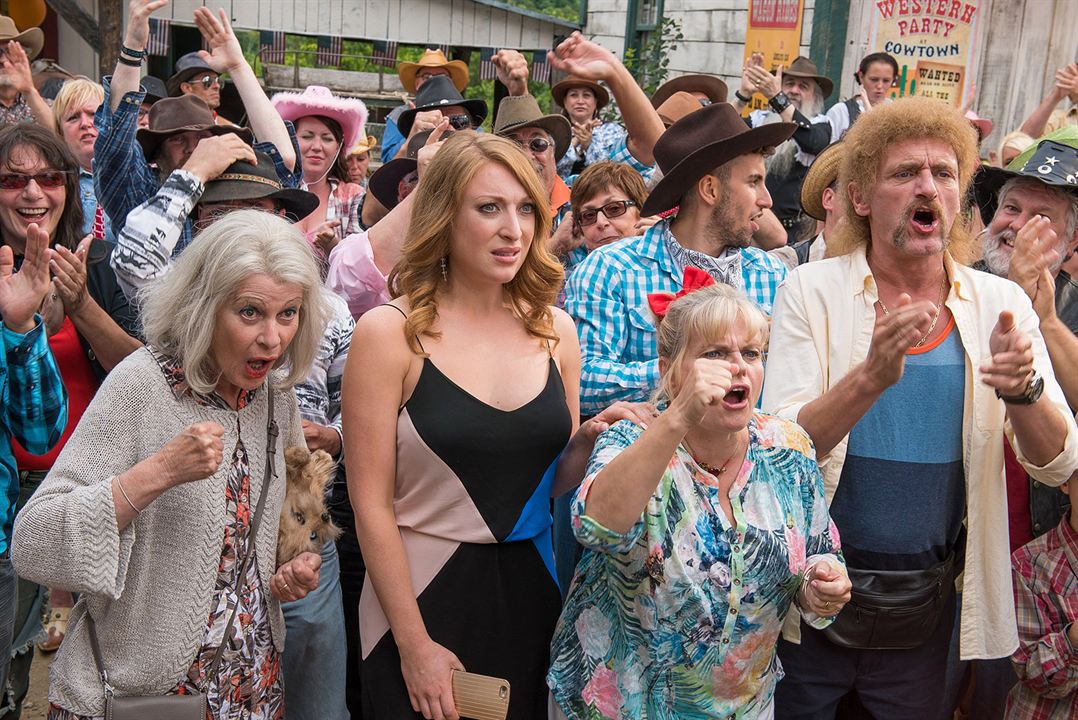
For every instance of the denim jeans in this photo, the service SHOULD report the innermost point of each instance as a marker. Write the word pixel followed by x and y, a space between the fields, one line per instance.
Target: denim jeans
pixel 7 615
pixel 314 649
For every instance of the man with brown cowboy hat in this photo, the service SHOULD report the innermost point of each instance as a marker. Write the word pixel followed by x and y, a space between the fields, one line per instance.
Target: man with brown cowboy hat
pixel 591 69
pixel 124 176
pixel 795 94
pixel 543 138
pixel 19 98
pixel 212 181
pixel 713 172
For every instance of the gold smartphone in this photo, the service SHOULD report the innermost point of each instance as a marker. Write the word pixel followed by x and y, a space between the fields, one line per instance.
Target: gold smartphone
pixel 480 697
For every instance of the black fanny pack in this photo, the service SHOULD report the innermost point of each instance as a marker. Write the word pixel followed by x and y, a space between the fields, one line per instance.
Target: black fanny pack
pixel 896 609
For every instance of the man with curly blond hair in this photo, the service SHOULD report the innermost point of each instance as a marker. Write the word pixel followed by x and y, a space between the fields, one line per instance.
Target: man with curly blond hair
pixel 909 371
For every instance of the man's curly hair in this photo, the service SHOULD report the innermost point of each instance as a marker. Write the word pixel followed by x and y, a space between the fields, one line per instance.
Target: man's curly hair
pixel 867 142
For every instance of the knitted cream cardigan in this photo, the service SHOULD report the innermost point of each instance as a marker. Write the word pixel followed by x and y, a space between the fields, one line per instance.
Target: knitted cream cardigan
pixel 148 588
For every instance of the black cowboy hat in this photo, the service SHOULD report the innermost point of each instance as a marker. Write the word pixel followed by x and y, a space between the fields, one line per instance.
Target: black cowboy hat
pixel 384 182
pixel 436 93
pixel 244 181
pixel 155 89
pixel 700 142
pixel 1053 160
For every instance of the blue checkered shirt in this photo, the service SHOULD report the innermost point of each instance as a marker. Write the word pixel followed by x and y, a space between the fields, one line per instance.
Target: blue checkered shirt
pixel 606 295
pixel 35 409
pixel 609 141
pixel 123 179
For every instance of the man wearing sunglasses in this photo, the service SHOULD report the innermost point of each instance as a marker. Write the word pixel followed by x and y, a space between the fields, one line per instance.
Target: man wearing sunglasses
pixel 124 175
pixel 194 77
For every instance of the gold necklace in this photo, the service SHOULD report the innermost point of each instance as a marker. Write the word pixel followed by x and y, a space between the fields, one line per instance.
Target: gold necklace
pixel 935 318
pixel 716 471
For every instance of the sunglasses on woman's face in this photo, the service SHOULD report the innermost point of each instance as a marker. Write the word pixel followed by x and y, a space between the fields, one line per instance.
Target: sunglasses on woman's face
pixel 47 179
pixel 614 209
pixel 537 145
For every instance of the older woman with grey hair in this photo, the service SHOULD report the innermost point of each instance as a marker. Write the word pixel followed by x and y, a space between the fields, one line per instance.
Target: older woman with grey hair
pixel 149 512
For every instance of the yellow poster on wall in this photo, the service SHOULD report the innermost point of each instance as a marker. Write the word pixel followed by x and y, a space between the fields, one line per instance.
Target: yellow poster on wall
pixel 774 30
pixel 934 42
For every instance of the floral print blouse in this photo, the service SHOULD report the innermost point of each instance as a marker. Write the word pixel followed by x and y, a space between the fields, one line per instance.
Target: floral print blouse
pixel 680 617
pixel 248 684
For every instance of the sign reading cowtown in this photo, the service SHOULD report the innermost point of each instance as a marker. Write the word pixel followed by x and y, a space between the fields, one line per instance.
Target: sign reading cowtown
pixel 934 43
pixel 774 30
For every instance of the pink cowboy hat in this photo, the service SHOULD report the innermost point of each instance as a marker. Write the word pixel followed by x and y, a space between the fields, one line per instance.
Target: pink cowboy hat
pixel 318 100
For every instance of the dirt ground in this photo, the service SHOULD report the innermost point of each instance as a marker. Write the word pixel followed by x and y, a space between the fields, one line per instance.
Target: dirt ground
pixel 36 705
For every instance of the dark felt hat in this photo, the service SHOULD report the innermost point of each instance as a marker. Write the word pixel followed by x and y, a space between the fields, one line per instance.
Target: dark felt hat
pixel 802 67
pixel 187 67
pixel 155 89
pixel 436 93
pixel 385 181
pixel 1053 160
pixel 172 116
pixel 244 181
pixel 516 112
pixel 700 142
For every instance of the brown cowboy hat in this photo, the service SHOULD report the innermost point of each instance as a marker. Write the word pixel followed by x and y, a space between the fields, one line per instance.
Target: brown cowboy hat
pixel 458 71
pixel 802 67
pixel 713 87
pixel 560 90
pixel 33 39
pixel 821 174
pixel 677 106
pixel 700 142
pixel 523 111
pixel 244 181
pixel 171 116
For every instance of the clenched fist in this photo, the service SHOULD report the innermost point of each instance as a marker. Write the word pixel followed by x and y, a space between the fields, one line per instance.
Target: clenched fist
pixel 194 454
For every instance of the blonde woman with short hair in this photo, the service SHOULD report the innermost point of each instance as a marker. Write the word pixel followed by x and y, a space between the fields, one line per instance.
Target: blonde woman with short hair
pixel 73 111
pixel 460 395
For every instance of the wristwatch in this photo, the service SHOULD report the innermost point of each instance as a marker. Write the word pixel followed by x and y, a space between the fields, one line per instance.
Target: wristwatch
pixel 1030 396
pixel 779 103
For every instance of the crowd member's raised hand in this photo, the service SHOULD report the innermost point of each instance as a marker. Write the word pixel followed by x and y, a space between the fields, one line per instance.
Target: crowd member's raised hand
pixel 748 85
pixel 704 387
pixel 894 334
pixel 225 54
pixel 137 32
pixel 70 271
pixel 512 71
pixel 23 292
pixel 1067 81
pixel 430 148
pixel 214 154
pixel 1010 368
pixel 763 81
pixel 565 237
pixel 582 132
pixel 584 59
pixel 15 66
pixel 1034 253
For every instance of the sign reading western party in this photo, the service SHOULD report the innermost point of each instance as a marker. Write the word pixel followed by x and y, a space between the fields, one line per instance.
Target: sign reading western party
pixel 934 42
pixel 774 31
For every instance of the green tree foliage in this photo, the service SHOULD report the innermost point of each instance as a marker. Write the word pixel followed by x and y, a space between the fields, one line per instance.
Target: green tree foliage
pixel 564 9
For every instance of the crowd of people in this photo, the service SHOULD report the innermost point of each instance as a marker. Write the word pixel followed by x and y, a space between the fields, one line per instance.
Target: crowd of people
pixel 694 413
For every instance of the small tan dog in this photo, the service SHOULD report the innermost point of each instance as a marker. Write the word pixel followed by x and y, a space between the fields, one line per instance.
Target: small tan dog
pixel 305 523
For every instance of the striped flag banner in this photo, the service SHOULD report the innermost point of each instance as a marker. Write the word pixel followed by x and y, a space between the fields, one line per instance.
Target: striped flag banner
pixel 385 53
pixel 487 70
pixel 157 43
pixel 271 44
pixel 540 67
pixel 329 51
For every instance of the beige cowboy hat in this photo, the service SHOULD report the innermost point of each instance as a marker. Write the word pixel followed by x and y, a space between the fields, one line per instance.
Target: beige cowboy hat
pixel 33 39
pixel 363 145
pixel 821 174
pixel 521 111
pixel 802 67
pixel 677 106
pixel 458 71
pixel 560 90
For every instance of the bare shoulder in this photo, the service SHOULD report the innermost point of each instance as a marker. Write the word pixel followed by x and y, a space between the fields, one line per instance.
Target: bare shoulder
pixel 380 333
pixel 563 323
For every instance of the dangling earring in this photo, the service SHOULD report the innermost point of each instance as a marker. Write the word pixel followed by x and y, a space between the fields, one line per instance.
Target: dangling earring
pixel 445 275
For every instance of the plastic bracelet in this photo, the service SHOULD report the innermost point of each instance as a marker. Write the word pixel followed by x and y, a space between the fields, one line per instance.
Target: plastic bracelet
pixel 129 62
pixel 133 53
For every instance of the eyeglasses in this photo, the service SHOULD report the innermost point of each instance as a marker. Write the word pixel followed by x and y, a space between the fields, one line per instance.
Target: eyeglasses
pixel 208 81
pixel 536 145
pixel 47 179
pixel 614 209
pixel 460 122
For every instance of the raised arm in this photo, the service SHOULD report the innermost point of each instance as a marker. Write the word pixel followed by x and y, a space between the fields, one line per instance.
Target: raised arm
pixel 1066 81
pixel 16 66
pixel 585 59
pixel 226 56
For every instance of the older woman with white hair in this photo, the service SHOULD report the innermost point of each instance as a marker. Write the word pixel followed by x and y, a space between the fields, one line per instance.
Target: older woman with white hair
pixel 162 510
pixel 699 530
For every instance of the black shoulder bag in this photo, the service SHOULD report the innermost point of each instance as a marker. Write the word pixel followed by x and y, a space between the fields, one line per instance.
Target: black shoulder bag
pixel 187 707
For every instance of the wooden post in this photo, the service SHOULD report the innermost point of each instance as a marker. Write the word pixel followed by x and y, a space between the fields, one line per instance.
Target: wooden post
pixel 828 44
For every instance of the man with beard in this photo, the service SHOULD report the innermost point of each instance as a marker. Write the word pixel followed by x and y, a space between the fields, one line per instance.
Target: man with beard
pixel 796 95
pixel 713 171
pixel 908 370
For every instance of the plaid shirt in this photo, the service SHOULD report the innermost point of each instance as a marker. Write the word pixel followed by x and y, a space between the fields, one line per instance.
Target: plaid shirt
pixel 123 179
pixel 606 295
pixel 1046 603
pixel 609 141
pixel 35 409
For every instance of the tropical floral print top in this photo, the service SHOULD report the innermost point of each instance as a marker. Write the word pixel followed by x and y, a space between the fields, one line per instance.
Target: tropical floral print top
pixel 248 684
pixel 680 617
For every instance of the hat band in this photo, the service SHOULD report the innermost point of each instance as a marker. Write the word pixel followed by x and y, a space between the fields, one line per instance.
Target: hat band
pixel 244 177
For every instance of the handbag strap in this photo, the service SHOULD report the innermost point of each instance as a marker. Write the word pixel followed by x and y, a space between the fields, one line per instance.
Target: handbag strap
pixel 256 520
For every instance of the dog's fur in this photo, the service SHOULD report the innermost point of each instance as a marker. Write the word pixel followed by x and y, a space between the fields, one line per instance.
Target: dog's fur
pixel 305 523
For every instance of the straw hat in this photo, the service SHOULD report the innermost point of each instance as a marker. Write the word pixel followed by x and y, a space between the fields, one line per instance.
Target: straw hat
pixel 363 145
pixel 458 71
pixel 821 174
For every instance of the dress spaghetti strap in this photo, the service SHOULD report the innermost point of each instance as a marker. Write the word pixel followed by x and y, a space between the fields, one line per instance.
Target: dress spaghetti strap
pixel 405 317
